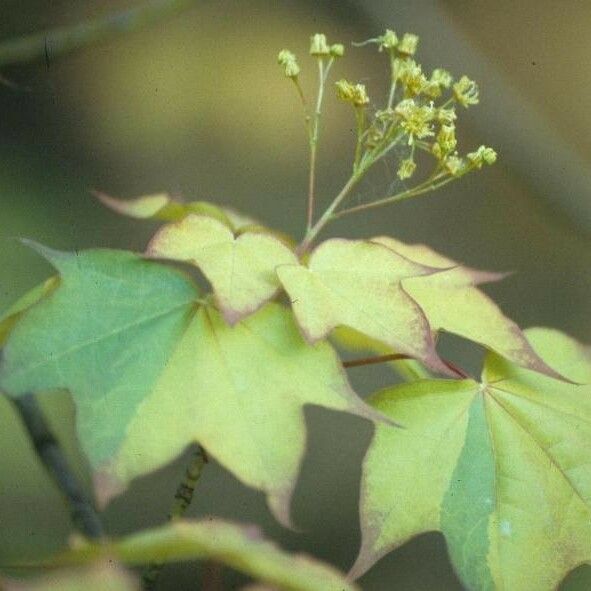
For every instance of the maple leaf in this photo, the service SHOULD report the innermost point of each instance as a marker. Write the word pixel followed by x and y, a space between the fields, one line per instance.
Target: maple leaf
pixel 500 467
pixel 242 548
pixel 358 284
pixel 452 302
pixel 152 370
pixel 161 206
pixel 241 269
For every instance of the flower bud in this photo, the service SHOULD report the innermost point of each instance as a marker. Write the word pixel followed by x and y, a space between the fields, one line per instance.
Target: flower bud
pixel 355 94
pixel 446 138
pixel 318 45
pixel 337 50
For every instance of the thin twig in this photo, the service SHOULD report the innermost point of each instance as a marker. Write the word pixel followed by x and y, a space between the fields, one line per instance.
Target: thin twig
pixel 57 42
pixel 182 500
pixel 82 511
pixel 400 357
pixel 374 360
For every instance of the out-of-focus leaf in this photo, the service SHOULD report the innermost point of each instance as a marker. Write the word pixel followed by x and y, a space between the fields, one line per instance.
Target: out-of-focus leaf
pixel 242 548
pixel 161 206
pixel 501 467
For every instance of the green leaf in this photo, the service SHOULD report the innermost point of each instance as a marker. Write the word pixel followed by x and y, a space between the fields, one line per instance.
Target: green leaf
pixel 12 315
pixel 241 548
pixel 162 206
pixel 453 303
pixel 358 284
pixel 501 468
pixel 240 268
pixel 103 576
pixel 152 371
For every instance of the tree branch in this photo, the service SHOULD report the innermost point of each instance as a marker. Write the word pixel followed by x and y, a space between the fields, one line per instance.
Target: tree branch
pixel 57 42
pixel 82 511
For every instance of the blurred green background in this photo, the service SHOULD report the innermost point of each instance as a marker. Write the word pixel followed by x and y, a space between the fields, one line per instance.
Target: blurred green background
pixel 198 107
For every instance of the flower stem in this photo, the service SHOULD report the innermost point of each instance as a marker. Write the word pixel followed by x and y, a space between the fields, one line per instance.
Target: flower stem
pixel 82 510
pixel 360 117
pixel 314 137
pixel 182 500
pixel 420 189
pixel 327 215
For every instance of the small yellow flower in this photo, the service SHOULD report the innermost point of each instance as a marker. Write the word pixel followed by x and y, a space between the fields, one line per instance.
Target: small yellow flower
pixel 415 120
pixel 455 165
pixel 406 169
pixel 466 91
pixel 439 80
pixel 290 65
pixel 355 94
pixel 412 77
pixel 388 40
pixel 446 116
pixel 446 138
pixel 408 44
pixel 484 155
pixel 441 77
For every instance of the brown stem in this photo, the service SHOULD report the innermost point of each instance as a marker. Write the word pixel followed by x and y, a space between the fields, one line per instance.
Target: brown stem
pixel 399 357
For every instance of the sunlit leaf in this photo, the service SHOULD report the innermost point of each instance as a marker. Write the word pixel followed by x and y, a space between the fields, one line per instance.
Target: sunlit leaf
pixel 501 467
pixel 151 370
pixel 358 284
pixel 242 548
pixel 453 303
pixel 240 268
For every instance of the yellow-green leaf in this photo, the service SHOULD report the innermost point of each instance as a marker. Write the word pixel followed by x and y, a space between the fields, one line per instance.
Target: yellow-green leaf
pixel 241 269
pixel 161 206
pixel 242 548
pixel 501 467
pixel 453 303
pixel 152 371
pixel 358 284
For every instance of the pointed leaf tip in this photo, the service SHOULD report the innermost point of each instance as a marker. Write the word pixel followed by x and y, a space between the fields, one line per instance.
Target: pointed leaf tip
pixel 453 303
